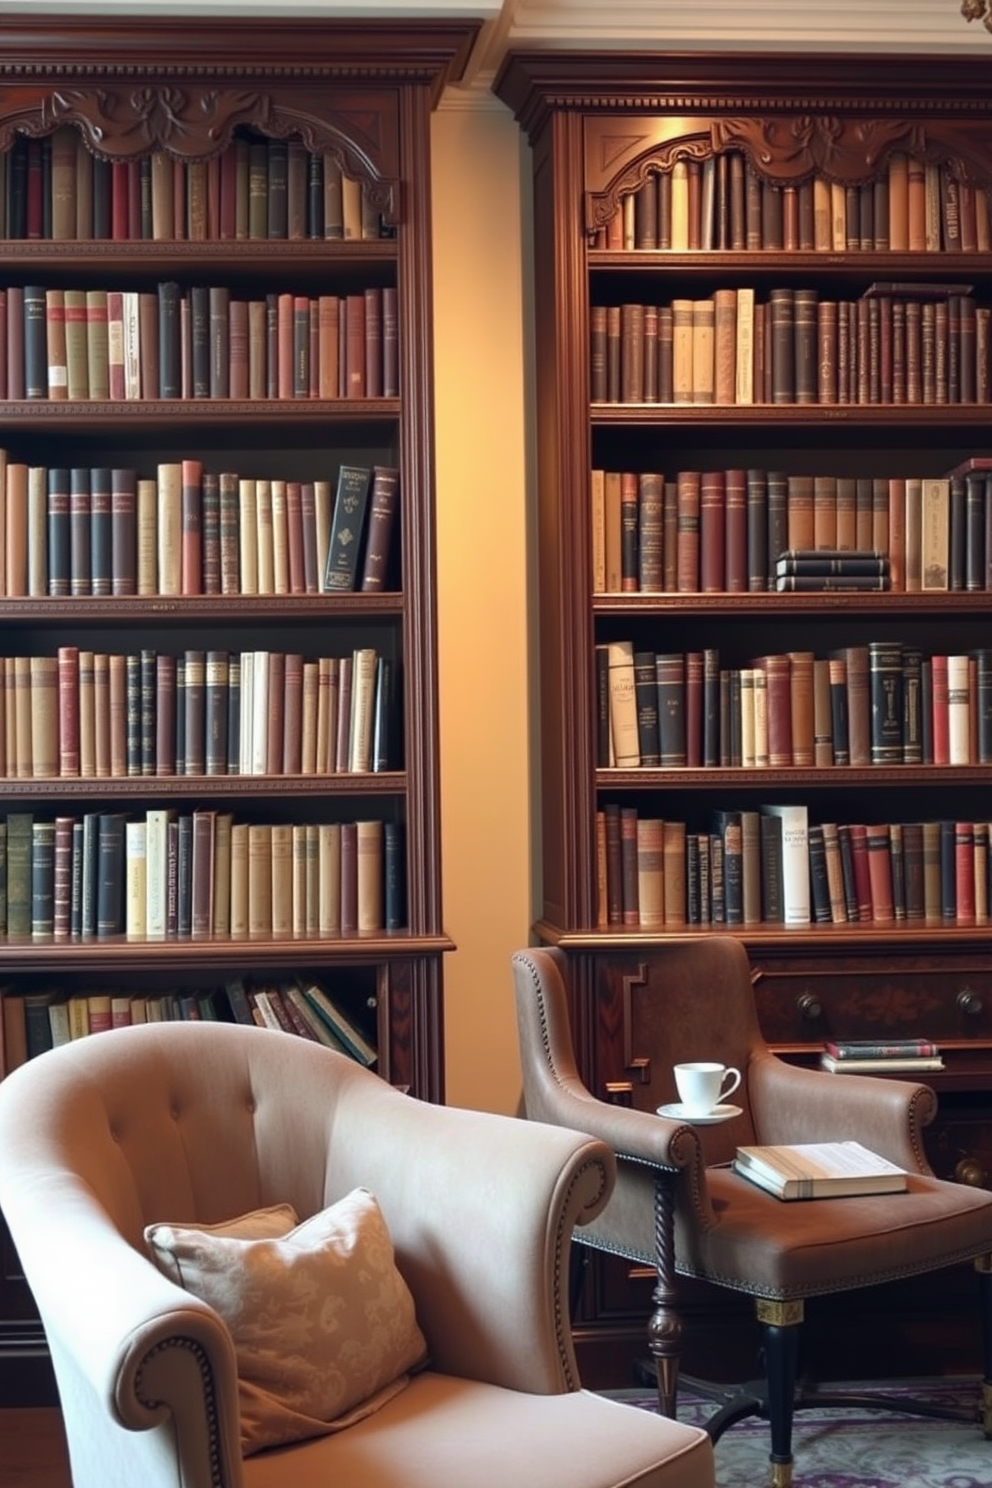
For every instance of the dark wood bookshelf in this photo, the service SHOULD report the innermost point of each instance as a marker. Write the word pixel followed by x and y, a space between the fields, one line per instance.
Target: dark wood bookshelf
pixel 599 126
pixel 359 94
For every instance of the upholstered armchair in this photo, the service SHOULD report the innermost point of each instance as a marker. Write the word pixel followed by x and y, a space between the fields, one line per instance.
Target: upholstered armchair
pixel 174 1130
pixel 677 1204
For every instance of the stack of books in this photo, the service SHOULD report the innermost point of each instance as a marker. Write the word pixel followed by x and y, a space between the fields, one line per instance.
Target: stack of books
pixel 808 570
pixel 892 1056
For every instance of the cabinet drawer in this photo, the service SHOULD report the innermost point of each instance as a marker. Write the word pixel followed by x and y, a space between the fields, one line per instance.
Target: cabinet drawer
pixel 949 998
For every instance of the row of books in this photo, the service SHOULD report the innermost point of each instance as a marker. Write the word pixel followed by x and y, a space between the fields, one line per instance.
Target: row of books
pixel 34 1022
pixel 738 530
pixel 257 188
pixel 200 874
pixel 189 531
pixel 879 703
pixel 873 1056
pixel 774 866
pixel 203 342
pixel 98 715
pixel 913 344
pixel 915 205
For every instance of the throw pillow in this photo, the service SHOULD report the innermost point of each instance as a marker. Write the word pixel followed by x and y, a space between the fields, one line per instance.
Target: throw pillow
pixel 258 1224
pixel 323 1324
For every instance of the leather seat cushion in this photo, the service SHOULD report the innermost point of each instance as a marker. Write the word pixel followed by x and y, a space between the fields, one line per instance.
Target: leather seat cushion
pixel 447 1430
pixel 769 1247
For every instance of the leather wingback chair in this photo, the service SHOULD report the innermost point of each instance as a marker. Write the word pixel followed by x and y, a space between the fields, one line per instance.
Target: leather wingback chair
pixel 190 1122
pixel 679 1207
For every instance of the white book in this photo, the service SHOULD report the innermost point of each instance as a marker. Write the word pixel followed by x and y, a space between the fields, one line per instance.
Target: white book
pixel 156 869
pixel 266 551
pixel 248 535
pixel 363 667
pixel 626 747
pixel 247 712
pixel 958 711
pixel 280 538
pixel 135 880
pixel 170 528
pixel 795 861
pixel 259 761
pixel 132 345
pixel 58 1021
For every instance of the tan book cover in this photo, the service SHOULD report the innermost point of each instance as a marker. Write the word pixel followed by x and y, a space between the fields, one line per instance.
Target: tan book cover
pixel 651 872
pixel 117 687
pixel 97 345
pixel 623 706
pixel 675 876
pixel 280 836
pixel 76 345
pixel 248 535
pixel 823 237
pixel 898 201
pixel 37 531
pixel 44 715
pixel 239 881
pixel 370 876
pixel 744 389
pixel 163 196
pixel 170 527
pixel 682 350
pixel 308 731
pixel 280 537
pixel 260 879
pixel 265 536
pixel 935 533
pixel 838 217
pixel 703 351
pixel 87 715
pixel 801 688
pixel 329 878
pixel 680 206
pixel 725 345
pixel 58 370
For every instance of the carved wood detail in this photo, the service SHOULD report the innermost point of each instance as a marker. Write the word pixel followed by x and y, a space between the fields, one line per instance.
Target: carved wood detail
pixel 621 153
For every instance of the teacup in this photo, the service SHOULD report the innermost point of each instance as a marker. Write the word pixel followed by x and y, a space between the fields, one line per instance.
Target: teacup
pixel 704 1084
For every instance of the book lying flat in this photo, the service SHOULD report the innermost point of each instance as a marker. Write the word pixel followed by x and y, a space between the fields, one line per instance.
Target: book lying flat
pixel 819 1170
pixel 895 1048
pixel 885 1063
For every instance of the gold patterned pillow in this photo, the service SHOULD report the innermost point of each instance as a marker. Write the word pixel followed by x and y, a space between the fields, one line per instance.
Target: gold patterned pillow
pixel 323 1324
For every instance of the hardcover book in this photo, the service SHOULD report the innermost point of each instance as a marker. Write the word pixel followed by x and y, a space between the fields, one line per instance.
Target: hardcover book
pixel 815 1170
pixel 347 524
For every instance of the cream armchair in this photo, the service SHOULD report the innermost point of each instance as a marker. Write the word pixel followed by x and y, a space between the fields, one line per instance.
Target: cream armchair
pixel 202 1122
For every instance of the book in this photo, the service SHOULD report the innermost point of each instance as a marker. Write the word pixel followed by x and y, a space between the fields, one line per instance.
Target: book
pixel 338 1021
pixel 347 524
pixel 383 507
pixel 814 1170
pixel 895 1048
pixel 888 1064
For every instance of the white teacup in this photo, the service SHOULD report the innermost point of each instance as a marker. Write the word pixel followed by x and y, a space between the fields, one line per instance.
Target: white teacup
pixel 703 1085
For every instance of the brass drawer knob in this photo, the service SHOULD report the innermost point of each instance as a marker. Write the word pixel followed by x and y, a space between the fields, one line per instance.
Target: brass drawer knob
pixel 969 1170
pixel 969 1002
pixel 809 1006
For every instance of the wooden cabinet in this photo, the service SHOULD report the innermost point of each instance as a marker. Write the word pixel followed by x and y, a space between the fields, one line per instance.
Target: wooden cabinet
pixel 662 182
pixel 277 111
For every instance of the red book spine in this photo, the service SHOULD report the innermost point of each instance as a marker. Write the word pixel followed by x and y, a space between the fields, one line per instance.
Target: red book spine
pixel 879 853
pixel 694 709
pixel 292 749
pixel 687 531
pixel 941 717
pixel 373 343
pixel 712 532
pixel 119 210
pixel 735 507
pixel 964 872
pixel 862 876
pixel 115 344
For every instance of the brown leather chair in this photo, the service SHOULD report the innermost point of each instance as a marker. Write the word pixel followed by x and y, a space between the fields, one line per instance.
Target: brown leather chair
pixel 678 1206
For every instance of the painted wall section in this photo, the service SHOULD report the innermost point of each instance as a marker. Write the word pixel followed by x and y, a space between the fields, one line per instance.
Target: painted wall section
pixel 482 591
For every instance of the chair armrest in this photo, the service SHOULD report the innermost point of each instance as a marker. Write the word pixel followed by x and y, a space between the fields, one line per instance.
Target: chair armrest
pixel 481 1210
pixel 790 1104
pixel 131 1349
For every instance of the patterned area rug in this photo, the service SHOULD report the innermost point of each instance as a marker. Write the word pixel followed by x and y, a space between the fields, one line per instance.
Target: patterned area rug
pixel 855 1448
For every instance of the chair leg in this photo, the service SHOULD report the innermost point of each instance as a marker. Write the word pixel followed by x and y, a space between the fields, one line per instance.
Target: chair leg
pixel 665 1325
pixel 780 1323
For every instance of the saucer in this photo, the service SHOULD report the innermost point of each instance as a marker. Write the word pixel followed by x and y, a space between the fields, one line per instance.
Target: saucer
pixel 678 1112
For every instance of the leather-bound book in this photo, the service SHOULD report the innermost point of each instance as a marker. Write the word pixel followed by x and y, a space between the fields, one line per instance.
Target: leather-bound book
pixel 781 304
pixel 354 353
pixel 216 671
pixel 885 680
pixel 807 351
pixel 165 714
pixel 712 532
pixel 688 489
pixel 382 519
pixel 879 854
pixel 218 298
pixel 349 878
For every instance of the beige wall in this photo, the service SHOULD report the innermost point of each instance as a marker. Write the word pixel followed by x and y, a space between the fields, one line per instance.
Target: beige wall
pixel 482 589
